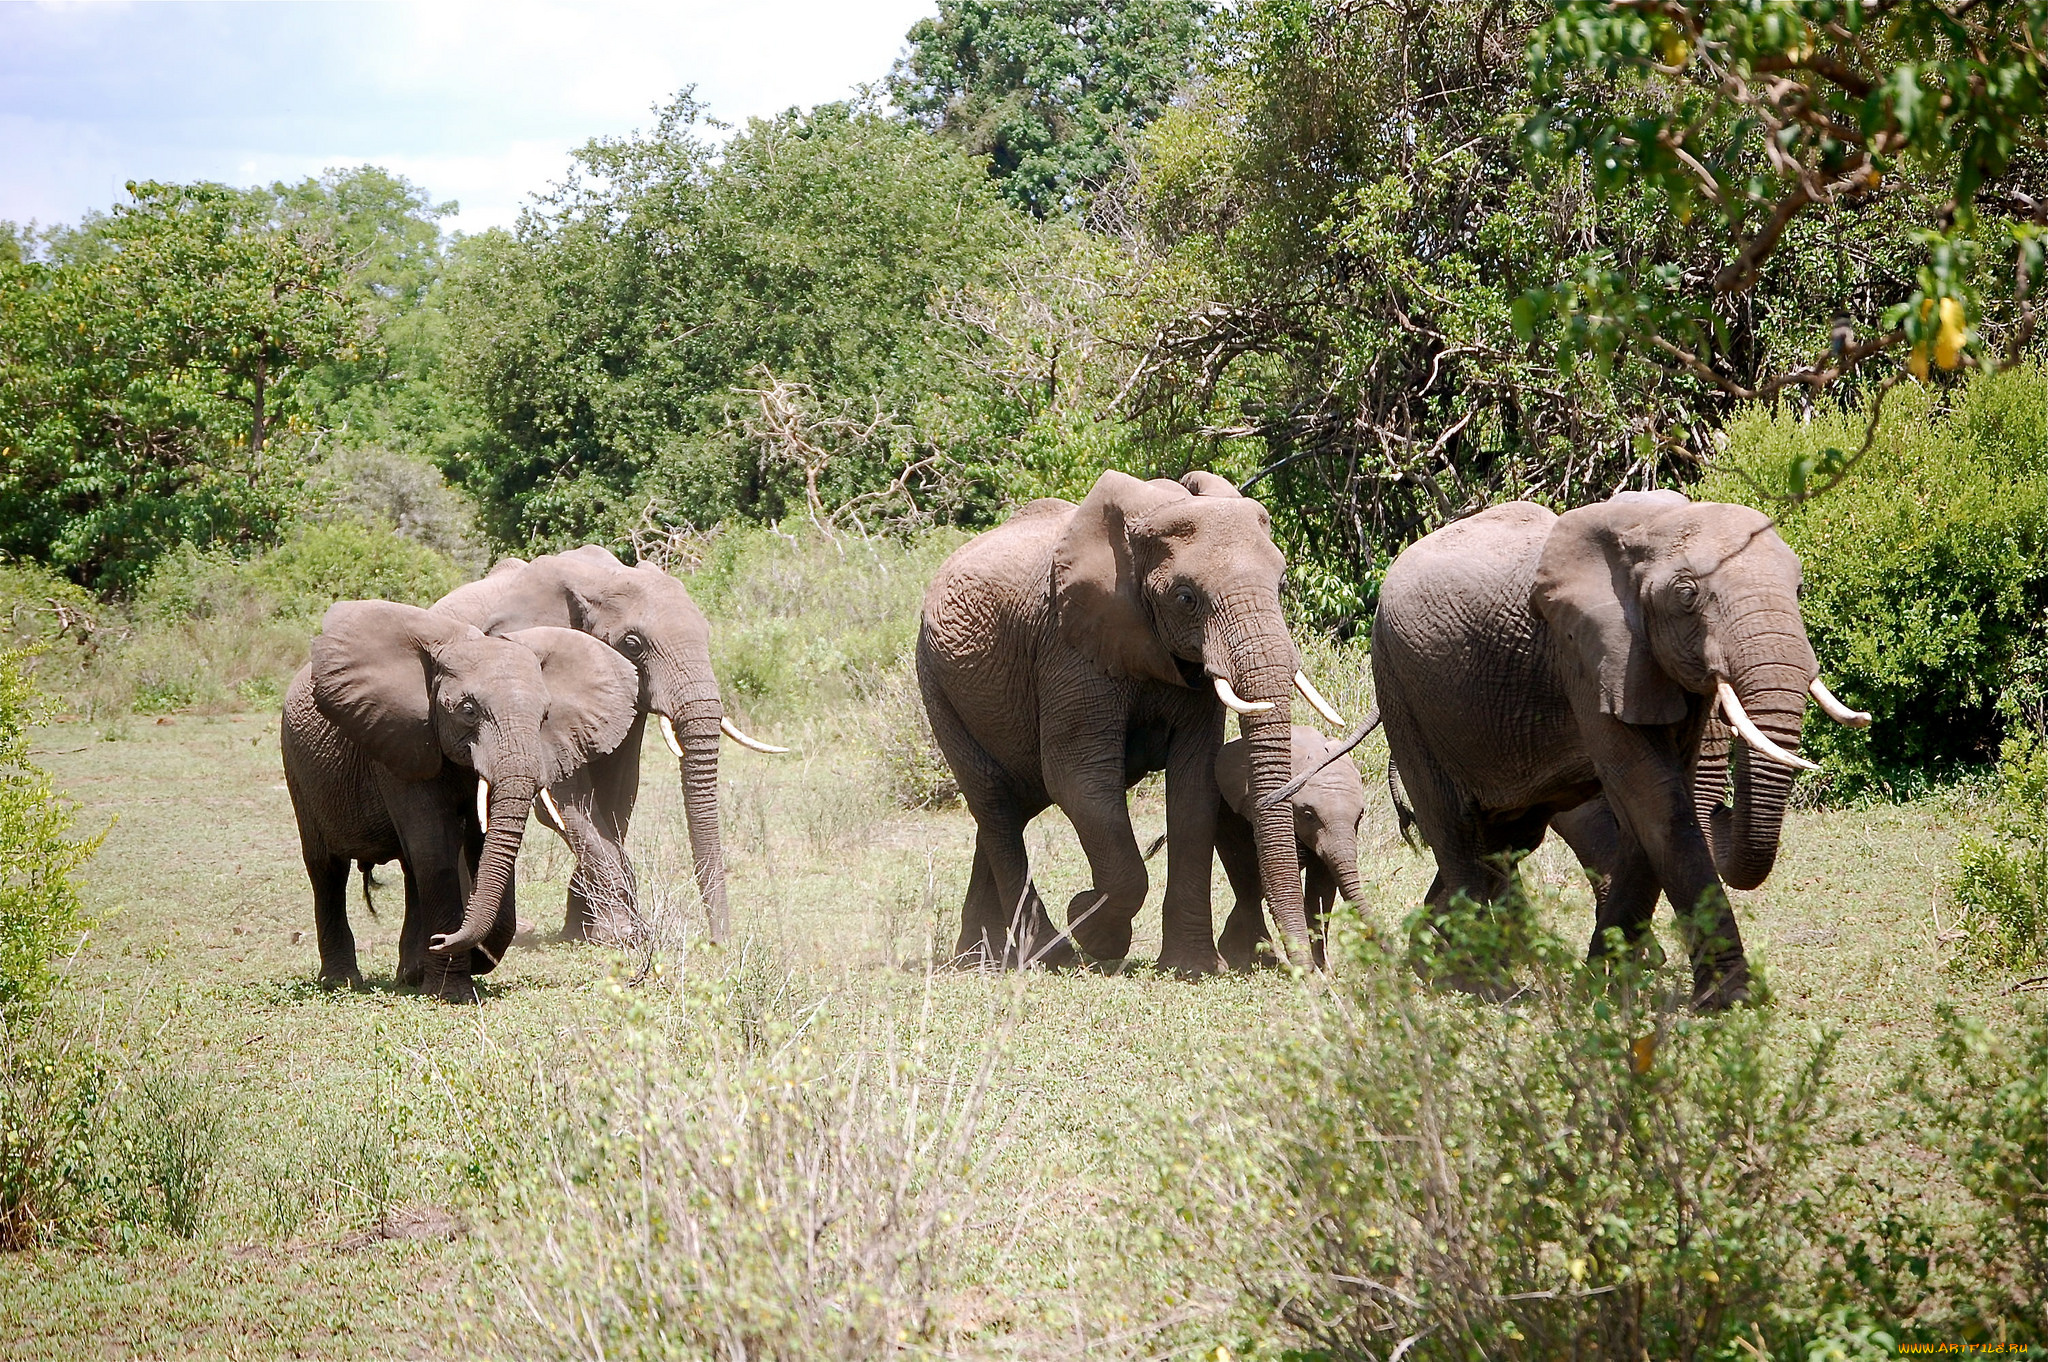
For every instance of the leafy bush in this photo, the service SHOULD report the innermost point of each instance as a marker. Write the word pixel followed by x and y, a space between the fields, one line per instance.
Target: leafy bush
pixel 1589 1171
pixel 382 489
pixel 1926 571
pixel 914 771
pixel 2001 877
pixel 42 916
pixel 1992 1117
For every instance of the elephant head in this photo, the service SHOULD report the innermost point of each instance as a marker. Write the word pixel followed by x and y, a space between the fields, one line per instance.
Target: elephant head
pixel 1656 598
pixel 647 618
pixel 1153 582
pixel 414 689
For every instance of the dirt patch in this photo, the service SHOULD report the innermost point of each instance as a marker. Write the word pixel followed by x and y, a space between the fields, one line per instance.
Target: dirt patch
pixel 423 1223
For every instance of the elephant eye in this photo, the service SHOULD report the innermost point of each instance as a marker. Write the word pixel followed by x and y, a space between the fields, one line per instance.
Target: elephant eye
pixel 1185 596
pixel 467 709
pixel 1688 593
pixel 632 645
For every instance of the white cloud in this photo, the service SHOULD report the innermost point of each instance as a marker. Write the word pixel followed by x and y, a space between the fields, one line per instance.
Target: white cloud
pixel 477 102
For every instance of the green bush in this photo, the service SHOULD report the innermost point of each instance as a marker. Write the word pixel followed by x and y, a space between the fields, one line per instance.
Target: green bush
pixel 1926 571
pixel 2001 876
pixel 42 917
pixel 914 771
pixel 1591 1170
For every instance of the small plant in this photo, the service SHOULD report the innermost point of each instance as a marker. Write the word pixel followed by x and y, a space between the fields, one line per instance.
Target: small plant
pixel 1590 1170
pixel 913 769
pixel 176 1129
pixel 2001 878
pixel 1991 1113
pixel 52 1100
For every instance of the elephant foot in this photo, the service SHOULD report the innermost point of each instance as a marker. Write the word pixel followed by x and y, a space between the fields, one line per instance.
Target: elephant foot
pixel 1099 935
pixel 1716 989
pixel 348 977
pixel 411 973
pixel 452 986
pixel 1240 942
pixel 1191 963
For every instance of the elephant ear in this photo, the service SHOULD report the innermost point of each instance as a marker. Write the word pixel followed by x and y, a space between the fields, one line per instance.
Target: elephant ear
pixel 1097 584
pixel 593 696
pixel 1206 484
pixel 372 677
pixel 1585 588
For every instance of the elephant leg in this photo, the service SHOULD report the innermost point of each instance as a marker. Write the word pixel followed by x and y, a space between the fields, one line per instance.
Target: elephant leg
pixel 1624 883
pixel 1187 932
pixel 1099 917
pixel 439 861
pixel 1319 896
pixel 1644 774
pixel 597 805
pixel 338 964
pixel 1245 930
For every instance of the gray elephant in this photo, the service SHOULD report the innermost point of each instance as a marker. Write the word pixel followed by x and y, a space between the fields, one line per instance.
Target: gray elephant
pixel 649 620
pixel 414 737
pixel 1528 663
pixel 1327 810
pixel 1072 650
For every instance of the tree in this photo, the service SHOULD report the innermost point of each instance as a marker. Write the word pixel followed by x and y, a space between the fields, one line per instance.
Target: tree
pixel 1050 91
pixel 141 366
pixel 619 341
pixel 1766 125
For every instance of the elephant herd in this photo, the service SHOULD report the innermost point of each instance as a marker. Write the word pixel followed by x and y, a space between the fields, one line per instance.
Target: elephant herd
pixel 1633 673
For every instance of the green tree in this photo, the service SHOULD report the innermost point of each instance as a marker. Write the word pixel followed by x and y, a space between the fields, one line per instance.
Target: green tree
pixel 724 334
pixel 1050 91
pixel 143 362
pixel 1906 129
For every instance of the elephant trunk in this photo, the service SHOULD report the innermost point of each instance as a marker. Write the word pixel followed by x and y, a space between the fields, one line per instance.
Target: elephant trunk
pixel 699 733
pixel 1261 660
pixel 510 801
pixel 1346 862
pixel 1745 838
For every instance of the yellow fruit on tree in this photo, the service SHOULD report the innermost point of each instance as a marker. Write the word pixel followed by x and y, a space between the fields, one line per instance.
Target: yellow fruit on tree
pixel 1948 341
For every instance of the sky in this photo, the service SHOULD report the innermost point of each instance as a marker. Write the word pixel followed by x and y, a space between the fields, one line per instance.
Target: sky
pixel 480 103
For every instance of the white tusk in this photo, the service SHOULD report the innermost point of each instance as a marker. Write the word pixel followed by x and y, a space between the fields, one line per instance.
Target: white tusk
pixel 1233 701
pixel 483 802
pixel 1739 718
pixel 726 727
pixel 668 735
pixel 1835 709
pixel 1316 700
pixel 554 809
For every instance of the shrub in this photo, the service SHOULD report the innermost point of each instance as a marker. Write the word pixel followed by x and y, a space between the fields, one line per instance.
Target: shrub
pixel 42 916
pixel 1926 571
pixel 2001 877
pixel 1992 1118
pixel 380 489
pixel 726 1179
pixel 914 771
pixel 1589 1171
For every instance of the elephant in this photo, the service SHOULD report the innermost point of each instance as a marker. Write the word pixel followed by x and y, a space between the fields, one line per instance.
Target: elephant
pixel 1073 649
pixel 1327 810
pixel 413 737
pixel 647 617
pixel 1529 663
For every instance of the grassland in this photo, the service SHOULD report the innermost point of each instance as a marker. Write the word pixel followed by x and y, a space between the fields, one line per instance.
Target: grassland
pixel 370 1137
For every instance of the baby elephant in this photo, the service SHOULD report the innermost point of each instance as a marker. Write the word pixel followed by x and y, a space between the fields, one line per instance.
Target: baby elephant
pixel 1327 811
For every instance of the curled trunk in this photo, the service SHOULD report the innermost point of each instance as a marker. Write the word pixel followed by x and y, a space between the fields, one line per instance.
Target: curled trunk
pixel 1347 877
pixel 1745 838
pixel 511 800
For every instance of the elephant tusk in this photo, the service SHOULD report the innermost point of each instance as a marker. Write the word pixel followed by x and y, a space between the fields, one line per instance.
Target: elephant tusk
pixel 554 810
pixel 1739 719
pixel 1835 709
pixel 668 735
pixel 483 803
pixel 1235 702
pixel 727 727
pixel 1316 700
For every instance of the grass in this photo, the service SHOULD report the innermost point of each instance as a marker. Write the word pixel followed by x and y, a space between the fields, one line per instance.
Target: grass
pixel 380 1179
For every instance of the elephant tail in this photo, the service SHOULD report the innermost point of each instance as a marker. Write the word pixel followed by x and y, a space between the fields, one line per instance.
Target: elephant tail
pixel 1404 817
pixel 369 878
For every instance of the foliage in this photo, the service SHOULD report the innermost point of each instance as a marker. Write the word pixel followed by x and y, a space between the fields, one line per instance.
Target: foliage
pixel 1926 578
pixel 1589 1171
pixel 2001 877
pixel 1340 229
pixel 1912 125
pixel 42 916
pixel 914 770
pixel 387 490
pixel 1990 1114
pixel 610 340
pixel 141 370
pixel 1050 91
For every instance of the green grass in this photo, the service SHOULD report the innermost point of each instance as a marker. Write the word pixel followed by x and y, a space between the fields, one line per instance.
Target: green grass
pixel 204 965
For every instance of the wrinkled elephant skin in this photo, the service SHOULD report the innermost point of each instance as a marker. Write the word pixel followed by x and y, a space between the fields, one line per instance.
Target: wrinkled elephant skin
pixel 1327 812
